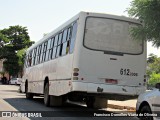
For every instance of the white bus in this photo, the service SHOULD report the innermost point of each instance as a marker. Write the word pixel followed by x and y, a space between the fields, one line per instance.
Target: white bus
pixel 90 58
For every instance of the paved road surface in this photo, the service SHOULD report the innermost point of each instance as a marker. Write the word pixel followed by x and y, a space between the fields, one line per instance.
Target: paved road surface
pixel 12 100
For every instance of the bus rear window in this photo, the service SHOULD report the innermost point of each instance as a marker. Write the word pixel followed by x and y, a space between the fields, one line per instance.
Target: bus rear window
pixel 111 35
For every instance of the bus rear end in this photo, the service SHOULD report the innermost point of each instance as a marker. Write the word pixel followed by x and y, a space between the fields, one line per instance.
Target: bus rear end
pixel 108 62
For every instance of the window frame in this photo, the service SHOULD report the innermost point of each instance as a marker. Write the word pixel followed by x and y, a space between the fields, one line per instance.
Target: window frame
pixel 107 51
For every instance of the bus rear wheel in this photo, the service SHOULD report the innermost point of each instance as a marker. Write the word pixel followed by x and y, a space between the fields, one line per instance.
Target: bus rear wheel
pixel 28 95
pixel 96 102
pixel 46 95
pixel 56 101
pixel 90 102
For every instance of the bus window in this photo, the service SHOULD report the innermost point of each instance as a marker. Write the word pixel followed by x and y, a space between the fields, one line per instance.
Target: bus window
pixel 73 37
pixel 60 38
pixel 34 56
pixel 56 41
pixel 30 59
pixel 111 36
pixel 37 56
pixel 49 44
pixel 44 51
pixel 52 42
pixel 26 60
pixel 54 49
pixel 64 36
pixel 54 52
pixel 69 34
pixel 59 47
pixel 58 51
pixel 50 48
pixel 39 53
pixel 65 47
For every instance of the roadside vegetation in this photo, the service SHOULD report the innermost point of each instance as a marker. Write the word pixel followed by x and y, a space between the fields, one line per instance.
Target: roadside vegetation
pixel 13 43
pixel 153 69
pixel 148 12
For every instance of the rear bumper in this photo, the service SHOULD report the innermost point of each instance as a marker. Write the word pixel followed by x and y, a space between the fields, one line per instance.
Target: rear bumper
pixel 107 89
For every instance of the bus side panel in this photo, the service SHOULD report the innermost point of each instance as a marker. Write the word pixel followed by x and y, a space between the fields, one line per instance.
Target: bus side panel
pixel 59 87
pixel 62 84
pixel 35 79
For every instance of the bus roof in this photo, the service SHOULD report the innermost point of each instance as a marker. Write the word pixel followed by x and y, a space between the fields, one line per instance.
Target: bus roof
pixel 49 35
pixel 54 31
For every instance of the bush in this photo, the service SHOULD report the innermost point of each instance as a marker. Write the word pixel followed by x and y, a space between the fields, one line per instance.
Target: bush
pixel 154 78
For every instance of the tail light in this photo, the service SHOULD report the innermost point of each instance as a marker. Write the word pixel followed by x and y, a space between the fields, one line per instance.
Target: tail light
pixel 75 73
pixel 76 69
pixel 145 80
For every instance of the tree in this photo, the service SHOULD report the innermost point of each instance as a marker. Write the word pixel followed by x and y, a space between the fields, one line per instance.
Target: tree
pixel 11 65
pixel 13 40
pixel 153 69
pixel 152 58
pixel 17 36
pixel 153 64
pixel 154 78
pixel 21 56
pixel 2 73
pixel 147 11
pixel 3 40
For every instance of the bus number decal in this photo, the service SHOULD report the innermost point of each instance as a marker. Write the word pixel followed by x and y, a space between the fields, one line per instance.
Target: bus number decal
pixel 127 72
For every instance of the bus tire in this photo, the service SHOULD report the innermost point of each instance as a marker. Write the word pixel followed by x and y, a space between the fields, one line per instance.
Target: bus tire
pixel 90 102
pixel 100 103
pixel 56 101
pixel 96 102
pixel 28 95
pixel 46 95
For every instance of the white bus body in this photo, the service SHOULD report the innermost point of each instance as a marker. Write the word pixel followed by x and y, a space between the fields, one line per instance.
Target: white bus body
pixel 102 60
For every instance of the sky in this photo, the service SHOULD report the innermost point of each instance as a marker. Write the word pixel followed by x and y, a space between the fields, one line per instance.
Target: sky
pixel 43 16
